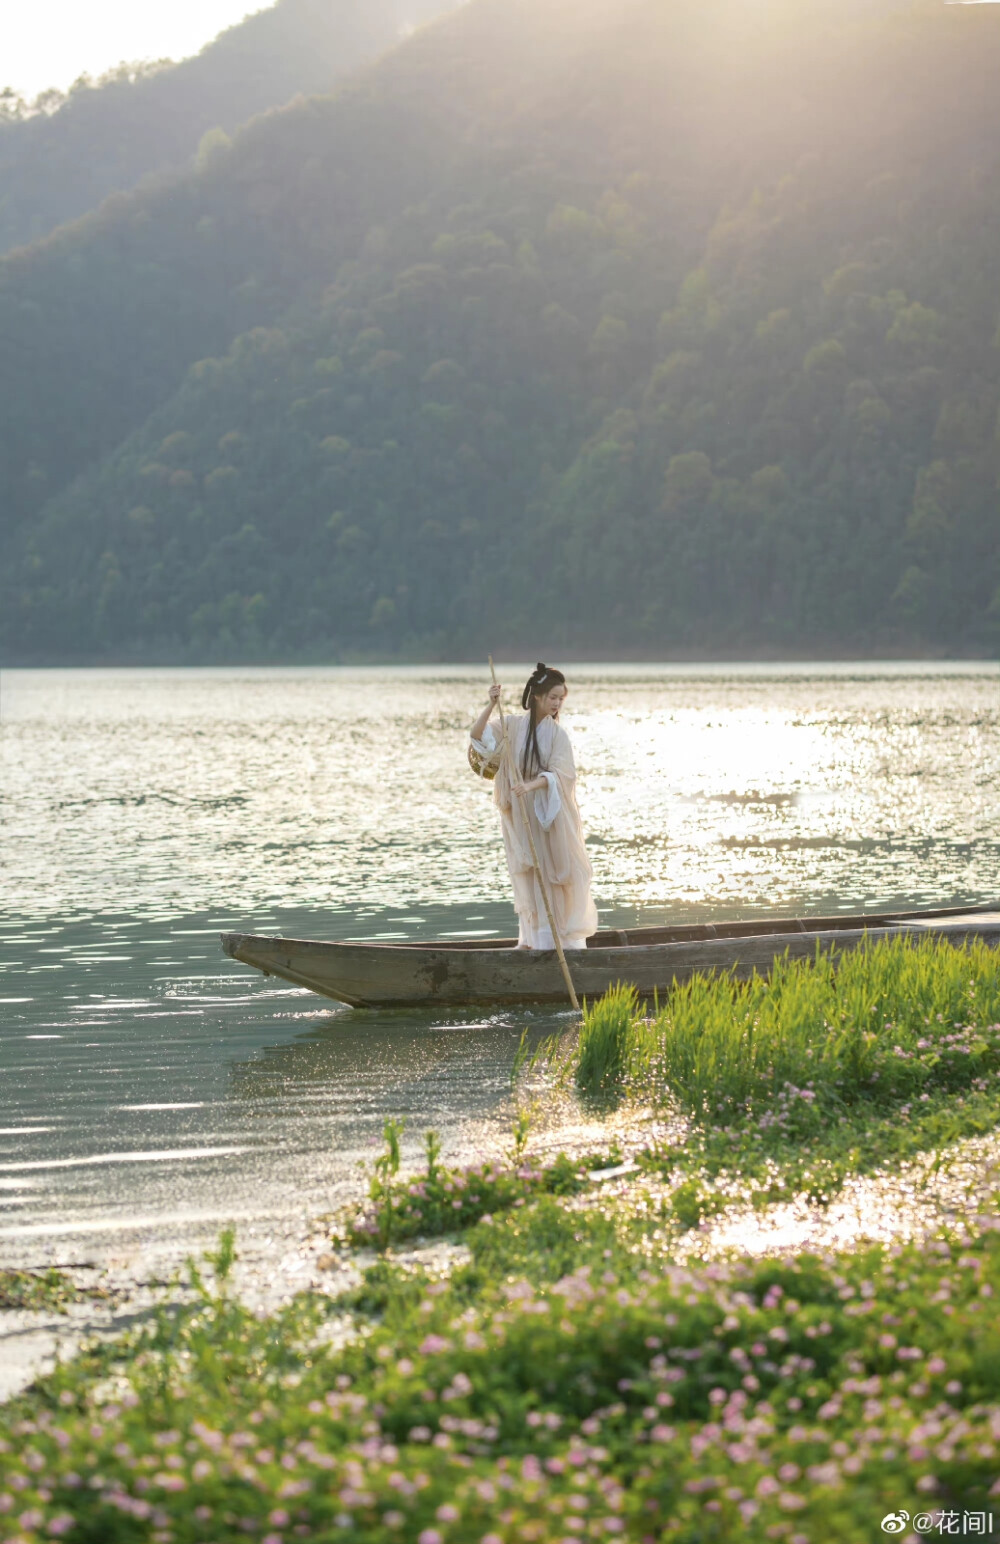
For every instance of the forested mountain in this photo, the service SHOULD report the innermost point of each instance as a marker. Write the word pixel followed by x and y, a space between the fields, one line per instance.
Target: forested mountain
pixel 641 327
pixel 64 155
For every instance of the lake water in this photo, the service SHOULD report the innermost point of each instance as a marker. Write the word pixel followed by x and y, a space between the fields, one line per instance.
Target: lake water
pixel 150 1083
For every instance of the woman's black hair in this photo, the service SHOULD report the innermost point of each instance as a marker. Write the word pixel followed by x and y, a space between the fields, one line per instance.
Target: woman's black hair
pixel 541 681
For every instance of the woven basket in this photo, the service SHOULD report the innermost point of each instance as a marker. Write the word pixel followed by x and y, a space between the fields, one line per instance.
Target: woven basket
pixel 484 766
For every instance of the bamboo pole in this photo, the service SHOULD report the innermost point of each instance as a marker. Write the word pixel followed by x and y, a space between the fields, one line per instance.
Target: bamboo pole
pixel 512 774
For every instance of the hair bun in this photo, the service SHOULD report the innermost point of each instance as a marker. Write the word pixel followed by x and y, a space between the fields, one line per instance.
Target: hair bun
pixel 541 676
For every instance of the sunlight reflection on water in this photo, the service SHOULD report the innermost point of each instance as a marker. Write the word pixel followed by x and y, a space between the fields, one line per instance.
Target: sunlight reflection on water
pixel 151 792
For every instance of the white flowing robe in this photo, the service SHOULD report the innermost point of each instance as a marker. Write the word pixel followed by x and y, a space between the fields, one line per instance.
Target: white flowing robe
pixel 558 834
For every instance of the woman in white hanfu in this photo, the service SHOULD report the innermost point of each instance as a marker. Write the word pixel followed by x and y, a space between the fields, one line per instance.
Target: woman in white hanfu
pixel 546 773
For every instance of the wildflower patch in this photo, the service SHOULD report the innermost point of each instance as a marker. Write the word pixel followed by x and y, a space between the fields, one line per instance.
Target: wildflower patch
pixel 735 1401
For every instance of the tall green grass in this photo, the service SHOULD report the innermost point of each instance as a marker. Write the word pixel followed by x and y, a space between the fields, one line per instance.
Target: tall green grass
pixel 608 1037
pixel 881 1026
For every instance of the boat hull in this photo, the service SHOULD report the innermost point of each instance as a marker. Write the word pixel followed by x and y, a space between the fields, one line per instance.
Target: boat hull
pixel 365 975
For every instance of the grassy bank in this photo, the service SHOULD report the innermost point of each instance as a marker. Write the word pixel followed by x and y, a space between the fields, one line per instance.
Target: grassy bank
pixel 570 1380
pixel 826 1068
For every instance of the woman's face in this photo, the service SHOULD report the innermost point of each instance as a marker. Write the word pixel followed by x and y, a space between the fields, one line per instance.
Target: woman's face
pixel 549 705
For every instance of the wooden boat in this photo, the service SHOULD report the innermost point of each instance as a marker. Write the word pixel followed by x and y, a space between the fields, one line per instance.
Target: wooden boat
pixel 432 975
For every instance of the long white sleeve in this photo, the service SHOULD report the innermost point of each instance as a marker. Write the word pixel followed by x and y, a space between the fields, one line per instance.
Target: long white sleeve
pixel 548 802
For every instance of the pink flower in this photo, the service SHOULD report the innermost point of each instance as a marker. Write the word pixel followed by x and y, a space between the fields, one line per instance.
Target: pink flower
pixel 937 1364
pixel 429 1536
pixel 432 1344
pixel 767 1486
pixel 447 1513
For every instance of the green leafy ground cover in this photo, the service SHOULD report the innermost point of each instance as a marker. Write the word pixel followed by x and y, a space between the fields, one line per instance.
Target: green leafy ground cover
pixel 443 1200
pixel 558 1387
pixel 571 1380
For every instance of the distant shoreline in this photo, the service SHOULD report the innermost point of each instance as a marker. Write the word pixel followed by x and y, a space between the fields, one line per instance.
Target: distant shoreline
pixel 698 658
